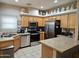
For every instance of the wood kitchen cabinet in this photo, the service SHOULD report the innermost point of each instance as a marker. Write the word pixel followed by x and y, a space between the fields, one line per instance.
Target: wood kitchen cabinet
pixel 31 19
pixel 24 21
pixel 72 20
pixel 39 20
pixel 58 17
pixel 44 20
pixel 48 19
pixel 6 43
pixel 47 52
pixel 42 35
pixel 17 42
pixel 64 21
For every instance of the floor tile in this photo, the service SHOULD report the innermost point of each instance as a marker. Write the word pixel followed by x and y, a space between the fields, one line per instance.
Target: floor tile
pixel 29 52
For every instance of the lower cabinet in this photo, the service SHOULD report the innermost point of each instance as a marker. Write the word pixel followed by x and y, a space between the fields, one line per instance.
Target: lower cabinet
pixel 17 42
pixel 50 52
pixel 42 35
pixel 46 52
pixel 6 43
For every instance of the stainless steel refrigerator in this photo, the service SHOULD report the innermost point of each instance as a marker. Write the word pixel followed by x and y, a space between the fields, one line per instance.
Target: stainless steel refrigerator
pixel 52 29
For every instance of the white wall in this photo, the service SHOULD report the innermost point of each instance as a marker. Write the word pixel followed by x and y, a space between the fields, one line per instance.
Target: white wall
pixel 33 11
pixel 10 10
pixel 14 10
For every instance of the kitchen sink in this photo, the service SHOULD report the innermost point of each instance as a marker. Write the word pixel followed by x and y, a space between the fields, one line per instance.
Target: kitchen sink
pixel 8 35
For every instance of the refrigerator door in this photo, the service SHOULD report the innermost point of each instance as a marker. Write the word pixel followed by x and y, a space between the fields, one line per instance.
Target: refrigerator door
pixel 50 29
pixel 46 30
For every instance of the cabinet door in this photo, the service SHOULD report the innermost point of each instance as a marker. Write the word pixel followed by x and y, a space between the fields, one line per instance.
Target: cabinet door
pixel 24 21
pixel 35 19
pixel 64 22
pixel 39 20
pixel 6 43
pixel 42 36
pixel 17 42
pixel 72 20
pixel 43 20
pixel 31 19
pixel 47 19
pixel 52 18
pixel 58 18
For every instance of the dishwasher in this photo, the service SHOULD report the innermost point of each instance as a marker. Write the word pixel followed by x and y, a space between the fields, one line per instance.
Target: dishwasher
pixel 25 40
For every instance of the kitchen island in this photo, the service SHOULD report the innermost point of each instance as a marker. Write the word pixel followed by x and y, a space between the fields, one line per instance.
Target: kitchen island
pixel 60 47
pixel 13 40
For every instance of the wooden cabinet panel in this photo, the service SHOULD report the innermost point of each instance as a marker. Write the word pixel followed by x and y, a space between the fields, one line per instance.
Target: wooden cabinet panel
pixel 35 19
pixel 6 43
pixel 31 19
pixel 43 21
pixel 52 18
pixel 48 19
pixel 47 52
pixel 39 20
pixel 17 42
pixel 42 35
pixel 58 18
pixel 72 21
pixel 24 21
pixel 64 22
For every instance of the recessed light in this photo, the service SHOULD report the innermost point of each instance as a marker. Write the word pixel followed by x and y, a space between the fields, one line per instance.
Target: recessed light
pixel 41 7
pixel 16 0
pixel 55 1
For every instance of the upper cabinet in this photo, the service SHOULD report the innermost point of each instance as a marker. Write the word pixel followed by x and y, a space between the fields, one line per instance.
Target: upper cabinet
pixel 68 21
pixel 64 21
pixel 72 20
pixel 24 21
pixel 31 19
pixel 58 17
pixel 39 20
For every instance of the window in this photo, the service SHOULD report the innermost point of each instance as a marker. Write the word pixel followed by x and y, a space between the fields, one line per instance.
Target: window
pixel 9 23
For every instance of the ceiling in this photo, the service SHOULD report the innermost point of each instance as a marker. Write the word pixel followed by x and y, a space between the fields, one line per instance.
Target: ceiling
pixel 47 4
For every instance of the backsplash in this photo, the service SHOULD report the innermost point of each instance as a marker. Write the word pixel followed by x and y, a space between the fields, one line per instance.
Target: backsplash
pixel 68 32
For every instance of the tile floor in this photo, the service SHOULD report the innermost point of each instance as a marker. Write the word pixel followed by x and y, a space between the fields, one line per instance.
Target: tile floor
pixel 29 52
